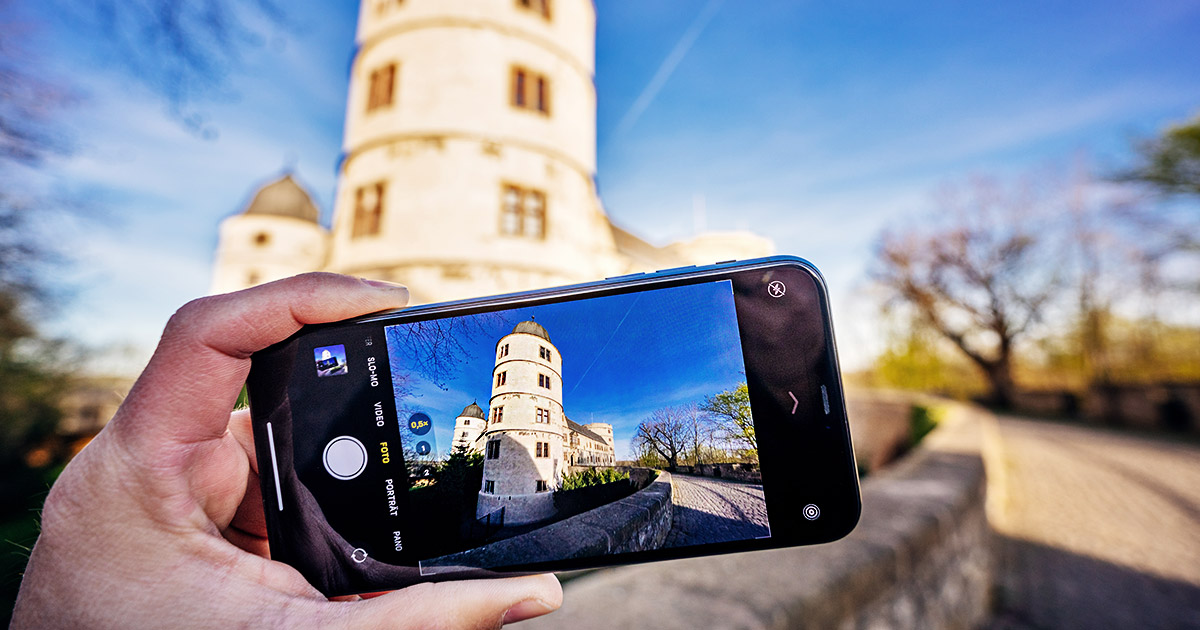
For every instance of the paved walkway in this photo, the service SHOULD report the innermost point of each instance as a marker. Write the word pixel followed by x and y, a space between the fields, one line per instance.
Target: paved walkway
pixel 707 510
pixel 1097 529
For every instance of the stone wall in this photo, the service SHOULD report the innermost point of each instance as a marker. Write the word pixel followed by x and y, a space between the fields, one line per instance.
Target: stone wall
pixel 1170 407
pixel 735 472
pixel 880 425
pixel 920 558
pixel 636 523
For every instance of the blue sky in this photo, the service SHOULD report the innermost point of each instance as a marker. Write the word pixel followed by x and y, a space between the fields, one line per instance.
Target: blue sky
pixel 815 124
pixel 623 357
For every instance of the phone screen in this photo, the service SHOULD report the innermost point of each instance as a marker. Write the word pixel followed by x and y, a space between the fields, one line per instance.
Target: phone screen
pixel 540 434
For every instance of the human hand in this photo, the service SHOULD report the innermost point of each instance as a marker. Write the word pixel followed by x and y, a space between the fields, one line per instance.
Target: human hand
pixel 158 522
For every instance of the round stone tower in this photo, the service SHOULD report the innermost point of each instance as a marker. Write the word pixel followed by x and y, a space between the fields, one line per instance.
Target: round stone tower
pixel 467 427
pixel 475 118
pixel 523 443
pixel 276 236
pixel 604 430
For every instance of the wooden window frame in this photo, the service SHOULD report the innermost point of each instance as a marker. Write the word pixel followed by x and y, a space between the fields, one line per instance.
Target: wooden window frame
pixel 493 449
pixel 529 90
pixel 523 211
pixel 368 221
pixel 540 7
pixel 377 97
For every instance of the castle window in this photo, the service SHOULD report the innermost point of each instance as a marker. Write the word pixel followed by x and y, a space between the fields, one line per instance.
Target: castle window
pixel 545 353
pixel 368 210
pixel 541 7
pixel 543 381
pixel 543 485
pixel 543 449
pixel 493 449
pixel 381 6
pixel 503 352
pixel 543 416
pixel 501 378
pixel 543 95
pixel 522 212
pixel 464 434
pixel 498 414
pixel 489 486
pixel 382 87
pixel 261 239
pixel 466 423
pixel 530 90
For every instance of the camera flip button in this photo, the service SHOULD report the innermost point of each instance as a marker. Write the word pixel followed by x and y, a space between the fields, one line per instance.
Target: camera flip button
pixel 345 457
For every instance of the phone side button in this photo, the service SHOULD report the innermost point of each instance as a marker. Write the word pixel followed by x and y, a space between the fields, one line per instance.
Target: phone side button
pixel 674 269
pixel 628 275
pixel 275 466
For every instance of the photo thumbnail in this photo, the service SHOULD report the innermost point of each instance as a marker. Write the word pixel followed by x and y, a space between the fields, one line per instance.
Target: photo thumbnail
pixel 331 360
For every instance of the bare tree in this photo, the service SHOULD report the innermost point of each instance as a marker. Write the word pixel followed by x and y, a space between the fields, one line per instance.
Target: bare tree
pixel 667 432
pixel 979 279
pixel 183 51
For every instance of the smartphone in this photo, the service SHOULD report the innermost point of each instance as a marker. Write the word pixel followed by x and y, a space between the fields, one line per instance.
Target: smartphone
pixel 686 412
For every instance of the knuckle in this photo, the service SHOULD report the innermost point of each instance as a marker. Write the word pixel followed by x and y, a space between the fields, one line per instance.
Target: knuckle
pixel 185 315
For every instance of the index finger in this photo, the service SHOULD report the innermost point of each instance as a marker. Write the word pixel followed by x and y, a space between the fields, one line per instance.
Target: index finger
pixel 187 390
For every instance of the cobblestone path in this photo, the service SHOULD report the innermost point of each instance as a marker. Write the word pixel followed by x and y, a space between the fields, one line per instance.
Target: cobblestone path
pixel 709 510
pixel 1097 529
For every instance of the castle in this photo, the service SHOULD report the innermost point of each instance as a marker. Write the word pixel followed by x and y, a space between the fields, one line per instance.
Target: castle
pixel 526 438
pixel 468 165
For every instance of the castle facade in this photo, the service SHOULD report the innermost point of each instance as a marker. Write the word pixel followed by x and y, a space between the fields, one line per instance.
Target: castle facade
pixel 468 164
pixel 525 436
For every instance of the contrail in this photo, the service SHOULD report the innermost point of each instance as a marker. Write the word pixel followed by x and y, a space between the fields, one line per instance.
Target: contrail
pixel 668 67
pixel 596 357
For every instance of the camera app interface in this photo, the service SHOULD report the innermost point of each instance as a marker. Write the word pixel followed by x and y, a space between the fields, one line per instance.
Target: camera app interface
pixel 565 430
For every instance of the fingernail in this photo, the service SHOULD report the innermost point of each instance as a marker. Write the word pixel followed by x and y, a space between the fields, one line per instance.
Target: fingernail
pixel 527 609
pixel 383 284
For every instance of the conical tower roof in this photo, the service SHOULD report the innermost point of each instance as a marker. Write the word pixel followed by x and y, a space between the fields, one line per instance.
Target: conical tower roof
pixel 533 328
pixel 284 197
pixel 472 411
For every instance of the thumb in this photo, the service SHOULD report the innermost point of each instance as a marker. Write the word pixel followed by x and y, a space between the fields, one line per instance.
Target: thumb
pixel 186 392
pixel 465 604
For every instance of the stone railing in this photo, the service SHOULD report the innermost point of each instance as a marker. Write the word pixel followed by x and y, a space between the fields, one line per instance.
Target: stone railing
pixel 920 558
pixel 638 522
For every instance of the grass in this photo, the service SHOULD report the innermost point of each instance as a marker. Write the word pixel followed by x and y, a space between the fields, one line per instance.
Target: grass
pixel 18 531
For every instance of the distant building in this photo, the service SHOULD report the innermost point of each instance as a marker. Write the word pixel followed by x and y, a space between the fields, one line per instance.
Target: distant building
pixel 469 163
pixel 526 438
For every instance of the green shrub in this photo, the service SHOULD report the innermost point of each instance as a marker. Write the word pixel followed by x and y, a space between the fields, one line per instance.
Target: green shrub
pixel 921 421
pixel 592 477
